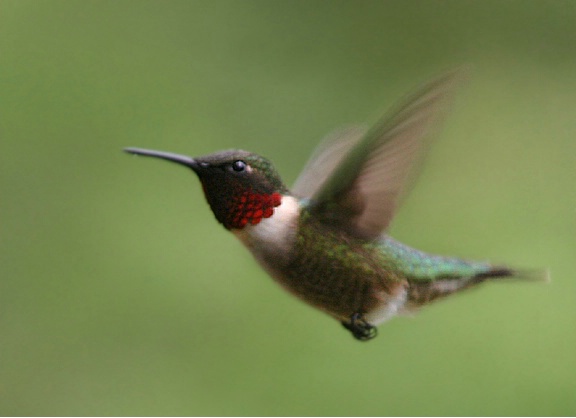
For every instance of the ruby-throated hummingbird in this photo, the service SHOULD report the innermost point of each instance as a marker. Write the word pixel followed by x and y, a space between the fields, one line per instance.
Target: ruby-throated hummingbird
pixel 325 240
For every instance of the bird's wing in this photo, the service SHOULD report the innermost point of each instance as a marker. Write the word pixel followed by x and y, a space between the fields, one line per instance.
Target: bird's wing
pixel 325 159
pixel 367 174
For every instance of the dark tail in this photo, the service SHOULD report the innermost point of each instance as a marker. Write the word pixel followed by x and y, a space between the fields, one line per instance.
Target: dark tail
pixel 509 273
pixel 421 292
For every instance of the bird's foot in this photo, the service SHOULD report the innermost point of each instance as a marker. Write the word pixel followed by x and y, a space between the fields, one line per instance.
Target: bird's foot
pixel 360 329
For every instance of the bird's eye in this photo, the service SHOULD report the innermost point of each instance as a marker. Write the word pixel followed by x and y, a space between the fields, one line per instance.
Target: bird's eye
pixel 238 165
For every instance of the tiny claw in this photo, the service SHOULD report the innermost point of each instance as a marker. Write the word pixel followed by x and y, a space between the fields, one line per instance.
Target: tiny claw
pixel 360 329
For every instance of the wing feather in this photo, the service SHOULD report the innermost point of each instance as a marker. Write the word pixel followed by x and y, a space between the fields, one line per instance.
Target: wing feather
pixel 366 176
pixel 325 159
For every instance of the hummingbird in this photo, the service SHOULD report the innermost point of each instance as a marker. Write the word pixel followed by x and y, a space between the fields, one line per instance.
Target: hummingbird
pixel 325 240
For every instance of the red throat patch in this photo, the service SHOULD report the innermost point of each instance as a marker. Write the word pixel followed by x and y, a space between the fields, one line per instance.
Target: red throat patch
pixel 251 208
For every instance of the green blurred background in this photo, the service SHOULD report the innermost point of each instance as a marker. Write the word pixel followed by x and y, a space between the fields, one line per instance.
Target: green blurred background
pixel 120 294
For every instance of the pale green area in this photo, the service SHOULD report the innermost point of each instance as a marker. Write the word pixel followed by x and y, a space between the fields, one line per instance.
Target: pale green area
pixel 120 294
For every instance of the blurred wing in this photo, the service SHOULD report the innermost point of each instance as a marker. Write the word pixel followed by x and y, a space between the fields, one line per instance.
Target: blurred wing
pixel 362 193
pixel 325 159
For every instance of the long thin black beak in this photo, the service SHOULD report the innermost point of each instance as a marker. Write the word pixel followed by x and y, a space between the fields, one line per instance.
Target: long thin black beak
pixel 176 158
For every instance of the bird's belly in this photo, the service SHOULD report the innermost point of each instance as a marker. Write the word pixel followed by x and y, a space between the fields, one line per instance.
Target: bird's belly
pixel 343 280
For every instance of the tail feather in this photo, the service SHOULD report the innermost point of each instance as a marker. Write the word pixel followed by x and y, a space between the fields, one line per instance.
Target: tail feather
pixel 420 292
pixel 519 274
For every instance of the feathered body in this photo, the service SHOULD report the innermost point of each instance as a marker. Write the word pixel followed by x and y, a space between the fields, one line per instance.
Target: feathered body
pixel 344 275
pixel 325 239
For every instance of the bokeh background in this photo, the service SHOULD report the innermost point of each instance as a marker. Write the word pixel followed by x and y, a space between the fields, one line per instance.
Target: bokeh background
pixel 120 294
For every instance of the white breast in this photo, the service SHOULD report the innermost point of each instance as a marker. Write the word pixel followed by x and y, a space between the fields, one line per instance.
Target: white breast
pixel 273 236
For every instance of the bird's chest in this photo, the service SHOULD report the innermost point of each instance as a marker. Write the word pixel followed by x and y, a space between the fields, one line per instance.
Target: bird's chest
pixel 272 240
